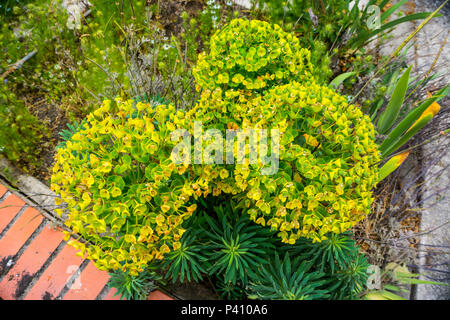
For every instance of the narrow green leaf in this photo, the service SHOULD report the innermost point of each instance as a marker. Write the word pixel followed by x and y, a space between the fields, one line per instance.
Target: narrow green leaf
pixel 391 287
pixel 391 10
pixel 390 114
pixel 393 81
pixel 408 135
pixel 391 24
pixel 383 4
pixel 336 82
pixel 374 110
pixel 418 281
pixel 392 164
pixel 409 120
pixel 391 296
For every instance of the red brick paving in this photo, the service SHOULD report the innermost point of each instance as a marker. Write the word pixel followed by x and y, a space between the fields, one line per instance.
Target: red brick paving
pixel 158 295
pixel 9 207
pixel 20 231
pixel 2 190
pixel 31 260
pixel 60 269
pixel 55 277
pixel 88 285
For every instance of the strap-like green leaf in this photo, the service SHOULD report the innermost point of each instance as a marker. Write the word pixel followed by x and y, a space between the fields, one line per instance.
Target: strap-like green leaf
pixel 341 78
pixel 390 114
pixel 408 135
pixel 391 10
pixel 391 165
pixel 383 4
pixel 418 281
pixel 391 24
pixel 391 296
pixel 395 135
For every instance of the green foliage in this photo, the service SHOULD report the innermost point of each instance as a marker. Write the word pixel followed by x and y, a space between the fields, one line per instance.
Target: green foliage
pixel 393 278
pixel 197 30
pixel 229 290
pixel 11 8
pixel 118 48
pixel 294 15
pixel 134 287
pixel 67 134
pixel 133 189
pixel 321 60
pixel 333 253
pixel 20 132
pixel 334 267
pixel 250 57
pixel 392 111
pixel 235 244
pixel 331 28
pixel 338 257
pixel 341 78
pixel 400 115
pixel 55 44
pixel 187 259
pixel 411 123
pixel 289 279
pixel 333 21
pixel 349 282
pixel 321 26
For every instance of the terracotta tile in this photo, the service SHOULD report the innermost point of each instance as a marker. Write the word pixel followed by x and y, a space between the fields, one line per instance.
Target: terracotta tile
pixel 55 277
pixel 30 261
pixel 158 295
pixel 3 190
pixel 19 232
pixel 88 285
pixel 9 207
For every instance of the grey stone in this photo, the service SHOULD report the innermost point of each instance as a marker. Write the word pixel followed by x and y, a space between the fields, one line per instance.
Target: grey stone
pixel 434 227
pixel 433 257
pixel 425 45
pixel 435 224
pixel 245 3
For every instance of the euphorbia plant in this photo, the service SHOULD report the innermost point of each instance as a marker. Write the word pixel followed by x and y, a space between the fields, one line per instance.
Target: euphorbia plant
pixel 251 57
pixel 128 198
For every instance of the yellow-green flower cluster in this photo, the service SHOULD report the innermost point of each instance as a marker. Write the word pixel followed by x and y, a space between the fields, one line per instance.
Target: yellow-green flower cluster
pixel 251 56
pixel 114 177
pixel 327 159
pixel 126 197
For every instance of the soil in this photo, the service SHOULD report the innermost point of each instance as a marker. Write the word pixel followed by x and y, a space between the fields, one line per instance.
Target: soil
pixel 54 120
pixel 170 13
pixel 193 291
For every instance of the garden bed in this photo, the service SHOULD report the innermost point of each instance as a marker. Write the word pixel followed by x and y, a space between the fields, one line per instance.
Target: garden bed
pixel 161 74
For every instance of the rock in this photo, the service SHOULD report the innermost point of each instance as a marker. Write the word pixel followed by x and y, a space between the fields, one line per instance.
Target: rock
pixel 245 3
pixel 433 255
